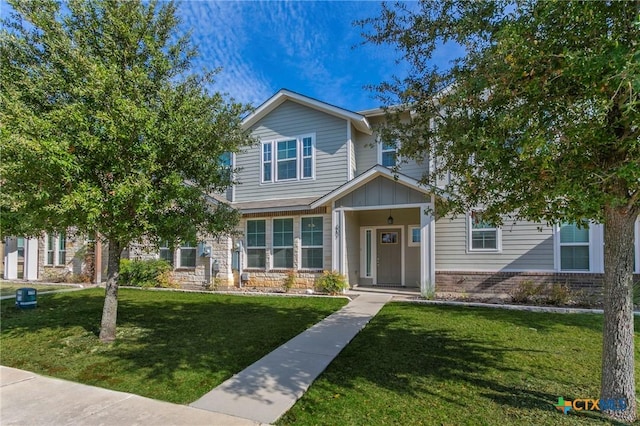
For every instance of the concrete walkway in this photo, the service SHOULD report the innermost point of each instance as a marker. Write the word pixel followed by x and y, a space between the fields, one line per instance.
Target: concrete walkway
pixel 265 390
pixel 29 399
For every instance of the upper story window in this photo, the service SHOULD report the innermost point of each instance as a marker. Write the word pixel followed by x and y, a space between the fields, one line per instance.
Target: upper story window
pixel 288 159
pixel 387 154
pixel 574 248
pixel 483 235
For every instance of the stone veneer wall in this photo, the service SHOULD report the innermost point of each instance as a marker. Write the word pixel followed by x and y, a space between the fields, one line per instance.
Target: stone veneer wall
pixel 274 280
pixel 78 264
pixel 504 283
pixel 200 277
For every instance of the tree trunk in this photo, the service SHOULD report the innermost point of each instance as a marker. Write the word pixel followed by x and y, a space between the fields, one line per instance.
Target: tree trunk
pixel 110 308
pixel 618 381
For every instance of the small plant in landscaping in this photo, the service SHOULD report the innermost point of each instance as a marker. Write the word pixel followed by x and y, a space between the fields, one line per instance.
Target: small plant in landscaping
pixel 332 282
pixel 146 273
pixel 558 294
pixel 289 281
pixel 526 292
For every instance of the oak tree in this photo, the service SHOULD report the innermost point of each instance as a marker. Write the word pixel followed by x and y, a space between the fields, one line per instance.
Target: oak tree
pixel 108 128
pixel 538 119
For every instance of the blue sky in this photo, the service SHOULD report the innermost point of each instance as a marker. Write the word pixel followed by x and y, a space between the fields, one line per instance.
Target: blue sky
pixel 310 47
pixel 306 46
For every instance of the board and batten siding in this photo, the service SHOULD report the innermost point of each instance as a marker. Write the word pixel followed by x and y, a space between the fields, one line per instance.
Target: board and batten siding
pixel 366 153
pixel 290 120
pixel 524 248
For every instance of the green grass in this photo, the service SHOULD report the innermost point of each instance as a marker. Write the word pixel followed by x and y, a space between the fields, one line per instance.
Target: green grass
pixel 441 365
pixel 9 288
pixel 170 346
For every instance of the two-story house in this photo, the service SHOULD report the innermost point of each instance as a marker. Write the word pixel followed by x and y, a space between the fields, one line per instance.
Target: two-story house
pixel 317 193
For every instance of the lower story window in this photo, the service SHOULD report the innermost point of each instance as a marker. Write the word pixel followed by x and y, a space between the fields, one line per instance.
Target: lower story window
pixel 56 249
pixel 188 255
pixel 311 232
pixel 283 243
pixel 166 253
pixel 574 248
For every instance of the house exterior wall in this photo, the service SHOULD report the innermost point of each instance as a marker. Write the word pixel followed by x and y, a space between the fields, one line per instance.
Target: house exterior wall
pixel 526 246
pixel 289 120
pixel 273 278
pixel 366 152
pixel 78 265
pixel 381 192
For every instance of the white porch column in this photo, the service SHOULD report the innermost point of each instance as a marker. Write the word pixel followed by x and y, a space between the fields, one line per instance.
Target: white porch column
pixel 11 259
pixel 427 252
pixel 337 238
pixel 30 259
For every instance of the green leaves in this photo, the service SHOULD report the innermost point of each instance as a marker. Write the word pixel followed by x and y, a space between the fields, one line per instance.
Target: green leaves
pixel 103 123
pixel 543 103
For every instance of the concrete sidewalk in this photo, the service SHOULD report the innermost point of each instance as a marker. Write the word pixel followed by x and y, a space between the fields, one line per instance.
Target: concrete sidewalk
pixel 265 390
pixel 29 399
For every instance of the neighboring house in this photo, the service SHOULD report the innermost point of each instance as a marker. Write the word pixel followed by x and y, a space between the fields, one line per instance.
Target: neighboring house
pixel 317 193
pixel 53 257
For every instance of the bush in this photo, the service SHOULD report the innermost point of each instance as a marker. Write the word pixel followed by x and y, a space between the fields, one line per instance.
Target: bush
pixel 289 281
pixel 527 292
pixel 146 273
pixel 332 282
pixel 558 294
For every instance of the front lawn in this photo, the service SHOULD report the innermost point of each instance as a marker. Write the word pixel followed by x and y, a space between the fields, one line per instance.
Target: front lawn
pixel 9 288
pixel 170 346
pixel 441 365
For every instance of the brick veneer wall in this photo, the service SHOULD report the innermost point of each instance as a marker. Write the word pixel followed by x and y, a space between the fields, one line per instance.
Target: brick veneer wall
pixel 260 280
pixel 504 283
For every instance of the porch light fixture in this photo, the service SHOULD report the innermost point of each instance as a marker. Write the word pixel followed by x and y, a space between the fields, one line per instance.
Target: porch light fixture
pixel 390 218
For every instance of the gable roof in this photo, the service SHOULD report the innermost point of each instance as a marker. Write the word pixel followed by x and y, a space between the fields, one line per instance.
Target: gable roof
pixel 366 177
pixel 359 121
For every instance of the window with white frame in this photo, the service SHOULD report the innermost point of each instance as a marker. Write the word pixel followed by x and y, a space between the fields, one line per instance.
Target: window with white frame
pixel 56 249
pixel 283 243
pixel 388 154
pixel 312 236
pixel 574 248
pixel 368 255
pixel 483 236
pixel 414 236
pixel 267 162
pixel 288 159
pixel 256 243
pixel 166 252
pixel 187 255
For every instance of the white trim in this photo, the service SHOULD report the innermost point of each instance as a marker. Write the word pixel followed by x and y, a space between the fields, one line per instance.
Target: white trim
pixel 246 247
pixel 383 207
pixel 321 246
pixel 532 271
pixel 359 121
pixel 410 242
pixel 374 252
pixel 367 177
pixel 178 255
pixel 350 152
pixel 497 229
pixel 56 249
pixel 302 157
pixel 262 145
pixel 381 150
pixel 292 246
pixel 363 253
pixel 335 240
pixel 596 250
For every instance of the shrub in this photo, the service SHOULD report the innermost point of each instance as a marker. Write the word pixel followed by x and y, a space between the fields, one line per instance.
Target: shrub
pixel 558 294
pixel 526 292
pixel 146 273
pixel 332 282
pixel 289 281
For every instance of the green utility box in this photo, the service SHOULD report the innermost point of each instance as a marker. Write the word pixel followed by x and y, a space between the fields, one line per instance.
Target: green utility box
pixel 26 298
